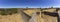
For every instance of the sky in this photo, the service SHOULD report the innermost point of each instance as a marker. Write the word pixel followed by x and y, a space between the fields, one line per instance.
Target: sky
pixel 28 3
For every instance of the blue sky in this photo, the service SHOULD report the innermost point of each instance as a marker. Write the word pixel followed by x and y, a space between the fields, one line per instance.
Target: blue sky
pixel 28 3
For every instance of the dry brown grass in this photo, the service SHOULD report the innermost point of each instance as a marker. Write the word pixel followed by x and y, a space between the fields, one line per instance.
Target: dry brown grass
pixel 11 18
pixel 19 18
pixel 44 18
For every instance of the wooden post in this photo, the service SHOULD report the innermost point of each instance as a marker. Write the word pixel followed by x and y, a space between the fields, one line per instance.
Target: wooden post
pixel 59 16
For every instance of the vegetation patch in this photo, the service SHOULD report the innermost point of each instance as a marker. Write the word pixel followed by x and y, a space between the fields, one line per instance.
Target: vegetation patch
pixel 8 11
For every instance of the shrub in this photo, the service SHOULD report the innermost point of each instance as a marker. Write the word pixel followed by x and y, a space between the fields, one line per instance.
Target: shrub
pixel 8 11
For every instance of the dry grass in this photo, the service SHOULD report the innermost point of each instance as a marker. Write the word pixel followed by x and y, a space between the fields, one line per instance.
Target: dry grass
pixel 29 12
pixel 19 18
pixel 50 10
pixel 11 18
pixel 43 18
